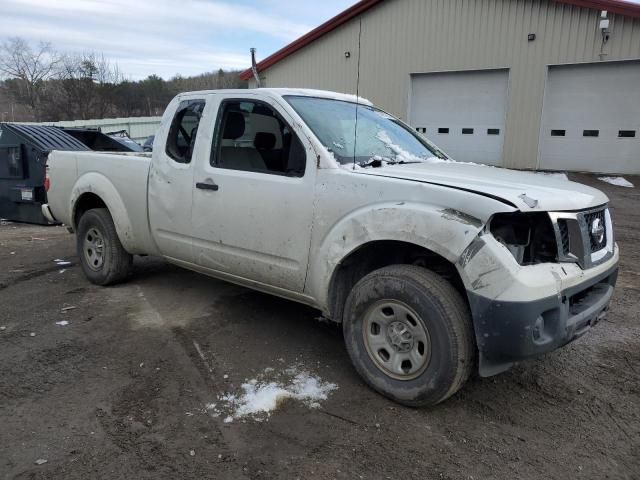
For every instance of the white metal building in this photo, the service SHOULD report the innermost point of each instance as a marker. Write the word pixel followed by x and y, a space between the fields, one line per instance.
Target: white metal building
pixel 530 84
pixel 138 128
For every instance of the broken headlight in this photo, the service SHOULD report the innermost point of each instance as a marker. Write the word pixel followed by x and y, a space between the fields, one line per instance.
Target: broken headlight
pixel 528 236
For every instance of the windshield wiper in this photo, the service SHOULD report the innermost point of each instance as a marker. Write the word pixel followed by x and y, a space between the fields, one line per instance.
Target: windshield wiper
pixel 379 162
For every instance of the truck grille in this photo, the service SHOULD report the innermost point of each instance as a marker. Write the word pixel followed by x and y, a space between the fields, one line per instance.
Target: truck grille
pixel 596 242
pixel 582 237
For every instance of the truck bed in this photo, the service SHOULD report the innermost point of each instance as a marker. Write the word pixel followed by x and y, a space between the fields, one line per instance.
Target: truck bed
pixel 120 179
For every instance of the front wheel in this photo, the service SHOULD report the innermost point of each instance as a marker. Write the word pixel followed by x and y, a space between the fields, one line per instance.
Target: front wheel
pixel 103 258
pixel 409 334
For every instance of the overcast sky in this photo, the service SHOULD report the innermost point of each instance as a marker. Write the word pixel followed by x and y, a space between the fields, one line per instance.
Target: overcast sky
pixel 166 37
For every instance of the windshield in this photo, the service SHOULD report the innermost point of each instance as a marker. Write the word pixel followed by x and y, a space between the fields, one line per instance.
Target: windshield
pixel 380 137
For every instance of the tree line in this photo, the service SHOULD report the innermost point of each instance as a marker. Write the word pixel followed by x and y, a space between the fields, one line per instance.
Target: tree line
pixel 37 83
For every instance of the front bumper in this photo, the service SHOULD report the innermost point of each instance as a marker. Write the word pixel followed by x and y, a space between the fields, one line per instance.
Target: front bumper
pixel 509 331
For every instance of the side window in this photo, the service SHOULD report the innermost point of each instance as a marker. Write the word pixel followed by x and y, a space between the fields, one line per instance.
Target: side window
pixel 251 136
pixel 183 130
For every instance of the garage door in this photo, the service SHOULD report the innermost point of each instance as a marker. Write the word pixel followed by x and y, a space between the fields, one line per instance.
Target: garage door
pixel 462 112
pixel 591 118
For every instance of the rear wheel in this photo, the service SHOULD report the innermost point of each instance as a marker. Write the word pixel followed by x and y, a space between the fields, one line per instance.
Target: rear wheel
pixel 409 334
pixel 103 258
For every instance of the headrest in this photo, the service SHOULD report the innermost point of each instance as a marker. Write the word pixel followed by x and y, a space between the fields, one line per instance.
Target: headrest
pixel 264 141
pixel 233 126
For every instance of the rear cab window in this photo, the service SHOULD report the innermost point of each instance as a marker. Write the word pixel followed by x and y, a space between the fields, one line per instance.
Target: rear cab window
pixel 183 131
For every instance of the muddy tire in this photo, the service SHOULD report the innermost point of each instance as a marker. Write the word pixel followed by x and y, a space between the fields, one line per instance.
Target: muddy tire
pixel 103 259
pixel 409 335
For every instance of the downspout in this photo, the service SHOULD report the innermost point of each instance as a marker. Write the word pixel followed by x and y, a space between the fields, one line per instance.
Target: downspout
pixel 254 68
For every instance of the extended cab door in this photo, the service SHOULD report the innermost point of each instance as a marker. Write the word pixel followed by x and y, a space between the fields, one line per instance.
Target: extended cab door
pixel 253 196
pixel 171 177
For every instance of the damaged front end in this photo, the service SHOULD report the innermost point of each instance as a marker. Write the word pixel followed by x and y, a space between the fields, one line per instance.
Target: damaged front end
pixel 536 281
pixel 528 236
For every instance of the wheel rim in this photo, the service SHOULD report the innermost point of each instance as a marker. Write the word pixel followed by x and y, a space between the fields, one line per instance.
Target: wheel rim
pixel 94 249
pixel 396 339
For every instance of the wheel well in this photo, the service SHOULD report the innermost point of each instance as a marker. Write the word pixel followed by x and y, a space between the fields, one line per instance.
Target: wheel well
pixel 86 202
pixel 378 254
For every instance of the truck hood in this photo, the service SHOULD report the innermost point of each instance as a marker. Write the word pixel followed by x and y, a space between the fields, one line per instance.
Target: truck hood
pixel 525 190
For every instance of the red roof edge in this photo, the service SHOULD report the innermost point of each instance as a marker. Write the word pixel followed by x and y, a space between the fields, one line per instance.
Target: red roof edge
pixel 620 7
pixel 306 39
pixel 615 6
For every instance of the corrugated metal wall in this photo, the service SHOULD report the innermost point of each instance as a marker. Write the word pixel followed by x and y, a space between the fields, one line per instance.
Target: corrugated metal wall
pixel 400 37
pixel 138 128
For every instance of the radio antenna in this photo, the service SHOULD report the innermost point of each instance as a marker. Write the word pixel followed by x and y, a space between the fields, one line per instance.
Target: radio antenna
pixel 355 128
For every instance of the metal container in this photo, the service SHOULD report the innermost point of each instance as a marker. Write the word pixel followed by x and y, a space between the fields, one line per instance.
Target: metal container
pixel 23 154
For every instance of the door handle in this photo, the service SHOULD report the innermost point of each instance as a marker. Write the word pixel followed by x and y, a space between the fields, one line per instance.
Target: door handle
pixel 207 186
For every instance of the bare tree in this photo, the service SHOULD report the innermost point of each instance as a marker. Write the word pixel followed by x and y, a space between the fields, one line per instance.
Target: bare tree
pixel 30 67
pixel 84 87
pixel 43 85
pixel 107 77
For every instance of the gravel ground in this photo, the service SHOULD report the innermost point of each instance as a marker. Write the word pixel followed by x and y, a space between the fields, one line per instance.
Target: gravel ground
pixel 122 390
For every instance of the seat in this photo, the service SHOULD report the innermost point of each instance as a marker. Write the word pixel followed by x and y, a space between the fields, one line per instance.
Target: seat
pixel 265 143
pixel 238 158
pixel 297 161
pixel 241 158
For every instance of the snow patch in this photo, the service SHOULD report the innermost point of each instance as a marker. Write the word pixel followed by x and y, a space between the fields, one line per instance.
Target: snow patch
pixel 401 155
pixel 62 323
pixel 618 181
pixel 260 396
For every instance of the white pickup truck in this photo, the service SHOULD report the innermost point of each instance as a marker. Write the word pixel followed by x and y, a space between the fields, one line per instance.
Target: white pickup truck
pixel 434 268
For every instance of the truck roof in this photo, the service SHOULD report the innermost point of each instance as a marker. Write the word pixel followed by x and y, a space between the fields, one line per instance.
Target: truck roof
pixel 281 92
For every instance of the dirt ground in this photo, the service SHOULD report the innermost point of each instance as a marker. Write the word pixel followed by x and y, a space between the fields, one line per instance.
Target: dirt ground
pixel 120 392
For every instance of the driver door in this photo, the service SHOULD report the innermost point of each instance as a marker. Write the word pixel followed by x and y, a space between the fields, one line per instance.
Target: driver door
pixel 253 199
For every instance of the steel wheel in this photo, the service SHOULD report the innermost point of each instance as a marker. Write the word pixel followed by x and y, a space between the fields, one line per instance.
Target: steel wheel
pixel 94 249
pixel 396 339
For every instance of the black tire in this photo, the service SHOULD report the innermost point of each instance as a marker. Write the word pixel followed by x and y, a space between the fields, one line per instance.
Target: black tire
pixel 116 263
pixel 442 312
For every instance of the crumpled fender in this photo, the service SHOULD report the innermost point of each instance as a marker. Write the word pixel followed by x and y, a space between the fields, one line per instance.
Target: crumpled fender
pixel 98 184
pixel 444 231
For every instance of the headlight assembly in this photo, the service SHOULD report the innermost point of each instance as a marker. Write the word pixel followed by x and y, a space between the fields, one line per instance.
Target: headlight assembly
pixel 528 236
